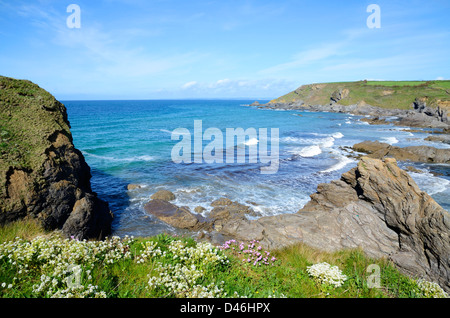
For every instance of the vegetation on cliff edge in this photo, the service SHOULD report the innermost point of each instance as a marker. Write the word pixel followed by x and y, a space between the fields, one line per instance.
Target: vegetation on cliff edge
pixel 385 94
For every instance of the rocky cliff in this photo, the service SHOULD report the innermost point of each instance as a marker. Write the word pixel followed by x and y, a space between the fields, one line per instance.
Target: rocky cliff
pixel 423 104
pixel 42 174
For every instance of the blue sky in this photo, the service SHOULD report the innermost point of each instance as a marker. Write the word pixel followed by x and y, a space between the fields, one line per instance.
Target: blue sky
pixel 258 49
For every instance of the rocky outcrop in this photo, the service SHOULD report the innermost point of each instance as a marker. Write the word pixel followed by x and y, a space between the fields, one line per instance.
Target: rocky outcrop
pixel 439 138
pixel 223 212
pixel 417 116
pixel 420 105
pixel 379 150
pixel 42 174
pixel 376 207
pixel 339 94
pixel 179 217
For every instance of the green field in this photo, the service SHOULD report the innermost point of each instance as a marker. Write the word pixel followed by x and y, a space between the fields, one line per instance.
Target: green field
pixel 385 94
pixel 396 83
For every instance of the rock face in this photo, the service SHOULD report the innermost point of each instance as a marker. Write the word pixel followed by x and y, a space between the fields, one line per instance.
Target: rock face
pixel 420 104
pixel 42 174
pixel 375 206
pixel 379 150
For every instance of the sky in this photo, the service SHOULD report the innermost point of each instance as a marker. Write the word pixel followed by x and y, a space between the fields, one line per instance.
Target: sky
pixel 252 49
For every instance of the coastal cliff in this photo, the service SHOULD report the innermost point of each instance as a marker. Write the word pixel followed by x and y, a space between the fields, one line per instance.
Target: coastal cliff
pixel 42 174
pixel 423 104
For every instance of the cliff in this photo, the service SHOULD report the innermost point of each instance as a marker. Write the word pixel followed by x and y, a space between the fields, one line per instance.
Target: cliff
pixel 384 94
pixel 42 174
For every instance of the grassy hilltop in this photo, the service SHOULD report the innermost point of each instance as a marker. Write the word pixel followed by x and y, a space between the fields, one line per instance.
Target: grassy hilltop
pixel 27 115
pixel 385 94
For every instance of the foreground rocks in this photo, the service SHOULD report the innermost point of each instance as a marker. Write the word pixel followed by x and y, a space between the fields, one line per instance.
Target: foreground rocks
pixel 379 150
pixel 223 212
pixel 376 207
pixel 42 174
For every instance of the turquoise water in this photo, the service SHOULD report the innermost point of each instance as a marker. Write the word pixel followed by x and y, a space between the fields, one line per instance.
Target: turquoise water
pixel 129 142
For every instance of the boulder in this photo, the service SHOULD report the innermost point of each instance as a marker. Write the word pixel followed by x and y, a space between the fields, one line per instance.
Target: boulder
pixel 164 195
pixel 133 186
pixel 226 211
pixel 179 217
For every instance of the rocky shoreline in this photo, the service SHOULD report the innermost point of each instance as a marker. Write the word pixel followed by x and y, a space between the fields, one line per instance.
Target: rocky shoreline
pixel 376 207
pixel 420 115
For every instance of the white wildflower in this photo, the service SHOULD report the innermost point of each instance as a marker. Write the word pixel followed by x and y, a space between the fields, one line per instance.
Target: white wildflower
pixel 327 274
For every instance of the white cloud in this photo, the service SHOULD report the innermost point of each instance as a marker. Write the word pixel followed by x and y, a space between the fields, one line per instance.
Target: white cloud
pixel 189 85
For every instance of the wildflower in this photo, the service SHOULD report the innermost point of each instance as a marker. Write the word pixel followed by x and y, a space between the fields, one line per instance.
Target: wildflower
pixel 324 273
pixel 430 290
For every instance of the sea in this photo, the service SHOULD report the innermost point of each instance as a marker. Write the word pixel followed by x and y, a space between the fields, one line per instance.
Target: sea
pixel 132 142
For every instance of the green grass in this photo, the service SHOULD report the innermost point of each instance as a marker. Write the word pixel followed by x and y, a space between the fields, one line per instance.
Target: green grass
pixel 29 115
pixel 385 94
pixel 25 229
pixel 396 83
pixel 118 269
